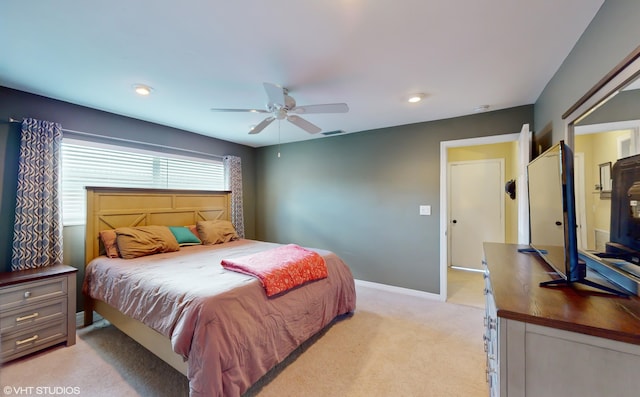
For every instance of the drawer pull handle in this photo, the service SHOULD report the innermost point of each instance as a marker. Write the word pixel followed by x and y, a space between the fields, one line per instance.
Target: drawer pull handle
pixel 27 294
pixel 22 342
pixel 29 317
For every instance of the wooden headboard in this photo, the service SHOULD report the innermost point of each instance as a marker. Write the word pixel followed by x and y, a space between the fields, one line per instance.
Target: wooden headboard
pixel 109 208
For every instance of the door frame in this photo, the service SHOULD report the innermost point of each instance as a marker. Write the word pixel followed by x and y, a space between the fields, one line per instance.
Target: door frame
pixel 581 216
pixel 444 195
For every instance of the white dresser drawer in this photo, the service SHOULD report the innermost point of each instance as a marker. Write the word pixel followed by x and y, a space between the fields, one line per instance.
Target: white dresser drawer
pixel 32 315
pixel 32 292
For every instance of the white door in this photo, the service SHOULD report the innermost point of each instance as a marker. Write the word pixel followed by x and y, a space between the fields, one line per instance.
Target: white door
pixel 476 209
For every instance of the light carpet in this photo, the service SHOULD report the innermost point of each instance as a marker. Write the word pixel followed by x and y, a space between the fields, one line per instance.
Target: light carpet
pixel 393 345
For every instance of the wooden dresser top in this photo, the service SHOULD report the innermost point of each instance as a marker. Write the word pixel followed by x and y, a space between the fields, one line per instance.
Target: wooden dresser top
pixel 10 278
pixel 515 279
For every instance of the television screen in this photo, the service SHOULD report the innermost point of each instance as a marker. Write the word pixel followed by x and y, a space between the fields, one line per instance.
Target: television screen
pixel 625 210
pixel 552 217
pixel 552 211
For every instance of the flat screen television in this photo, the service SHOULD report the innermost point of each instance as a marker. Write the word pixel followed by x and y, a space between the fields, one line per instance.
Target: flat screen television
pixel 552 216
pixel 625 210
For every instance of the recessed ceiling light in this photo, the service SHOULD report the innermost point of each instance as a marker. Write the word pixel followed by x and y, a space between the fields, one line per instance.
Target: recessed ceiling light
pixel 413 98
pixel 142 89
pixel 481 108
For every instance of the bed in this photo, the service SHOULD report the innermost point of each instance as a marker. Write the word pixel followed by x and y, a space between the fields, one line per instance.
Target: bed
pixel 216 326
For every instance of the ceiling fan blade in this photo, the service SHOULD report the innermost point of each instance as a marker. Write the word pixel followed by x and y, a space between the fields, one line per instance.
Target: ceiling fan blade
pixel 239 110
pixel 323 108
pixel 263 124
pixel 275 93
pixel 304 124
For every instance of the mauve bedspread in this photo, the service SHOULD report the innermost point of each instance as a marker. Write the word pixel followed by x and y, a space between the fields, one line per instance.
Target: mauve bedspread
pixel 221 321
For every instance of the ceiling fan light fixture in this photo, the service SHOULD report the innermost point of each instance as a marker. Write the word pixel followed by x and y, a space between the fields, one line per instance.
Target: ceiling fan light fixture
pixel 283 107
pixel 415 98
pixel 142 89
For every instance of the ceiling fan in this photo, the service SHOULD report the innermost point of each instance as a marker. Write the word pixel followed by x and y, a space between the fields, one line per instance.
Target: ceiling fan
pixel 282 106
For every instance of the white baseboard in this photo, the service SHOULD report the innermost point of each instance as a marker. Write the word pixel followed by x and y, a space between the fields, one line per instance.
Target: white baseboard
pixel 400 290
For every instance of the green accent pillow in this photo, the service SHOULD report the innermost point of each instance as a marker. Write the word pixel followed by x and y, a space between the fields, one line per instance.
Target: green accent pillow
pixel 184 236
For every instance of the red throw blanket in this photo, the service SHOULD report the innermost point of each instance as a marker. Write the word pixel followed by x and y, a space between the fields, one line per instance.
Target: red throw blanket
pixel 282 268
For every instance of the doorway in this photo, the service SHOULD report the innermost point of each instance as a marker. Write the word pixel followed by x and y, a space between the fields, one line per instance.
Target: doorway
pixel 513 212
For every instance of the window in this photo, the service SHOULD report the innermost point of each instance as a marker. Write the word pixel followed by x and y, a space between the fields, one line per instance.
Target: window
pixel 91 164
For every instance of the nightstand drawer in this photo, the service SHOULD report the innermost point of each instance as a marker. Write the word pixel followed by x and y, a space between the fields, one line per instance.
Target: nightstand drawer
pixel 32 339
pixel 32 315
pixel 32 292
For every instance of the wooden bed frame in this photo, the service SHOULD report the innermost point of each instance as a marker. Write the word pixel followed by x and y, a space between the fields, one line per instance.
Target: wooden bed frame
pixel 109 208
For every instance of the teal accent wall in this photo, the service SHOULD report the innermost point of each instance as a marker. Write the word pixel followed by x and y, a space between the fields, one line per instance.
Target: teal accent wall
pixel 358 195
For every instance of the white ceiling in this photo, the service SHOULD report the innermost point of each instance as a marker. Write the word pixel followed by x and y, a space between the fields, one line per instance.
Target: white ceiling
pixel 201 54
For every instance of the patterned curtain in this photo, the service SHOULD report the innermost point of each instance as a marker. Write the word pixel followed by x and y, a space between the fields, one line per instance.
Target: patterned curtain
pixel 233 182
pixel 37 235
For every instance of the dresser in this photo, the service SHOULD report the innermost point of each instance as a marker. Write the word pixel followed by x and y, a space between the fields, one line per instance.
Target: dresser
pixel 555 341
pixel 37 310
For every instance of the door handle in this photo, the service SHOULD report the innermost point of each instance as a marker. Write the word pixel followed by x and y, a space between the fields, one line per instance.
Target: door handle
pixel 454 221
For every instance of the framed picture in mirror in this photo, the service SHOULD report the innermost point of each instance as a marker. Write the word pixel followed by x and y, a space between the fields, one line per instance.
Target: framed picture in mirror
pixel 605 180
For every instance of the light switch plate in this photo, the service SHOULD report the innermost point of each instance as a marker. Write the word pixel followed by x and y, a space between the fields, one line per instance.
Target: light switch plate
pixel 425 210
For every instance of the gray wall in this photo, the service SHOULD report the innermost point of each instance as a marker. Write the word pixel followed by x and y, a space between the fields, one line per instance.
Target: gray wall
pixel 622 107
pixel 358 195
pixel 17 104
pixel 609 38
pixel 355 194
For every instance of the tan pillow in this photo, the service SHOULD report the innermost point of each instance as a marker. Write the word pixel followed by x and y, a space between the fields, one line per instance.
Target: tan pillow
pixel 108 238
pixel 216 232
pixel 139 241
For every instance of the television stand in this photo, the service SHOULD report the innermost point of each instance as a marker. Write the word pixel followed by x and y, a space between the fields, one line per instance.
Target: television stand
pixel 540 341
pixel 593 284
pixel 615 270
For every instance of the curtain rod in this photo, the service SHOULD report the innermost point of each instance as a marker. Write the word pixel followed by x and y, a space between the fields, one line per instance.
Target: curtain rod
pixel 89 134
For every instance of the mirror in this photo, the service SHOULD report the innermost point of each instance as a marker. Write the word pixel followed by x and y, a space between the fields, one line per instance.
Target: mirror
pixel 603 127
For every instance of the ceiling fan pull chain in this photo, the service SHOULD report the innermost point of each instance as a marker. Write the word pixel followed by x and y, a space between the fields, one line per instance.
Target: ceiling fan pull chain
pixel 278 138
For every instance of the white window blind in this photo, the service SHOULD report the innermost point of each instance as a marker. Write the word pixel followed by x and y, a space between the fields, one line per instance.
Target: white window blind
pixel 87 164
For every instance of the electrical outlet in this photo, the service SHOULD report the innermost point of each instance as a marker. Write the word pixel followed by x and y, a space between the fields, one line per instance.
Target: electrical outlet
pixel 425 210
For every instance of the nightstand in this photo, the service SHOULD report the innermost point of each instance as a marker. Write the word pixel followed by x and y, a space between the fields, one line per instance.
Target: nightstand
pixel 37 310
